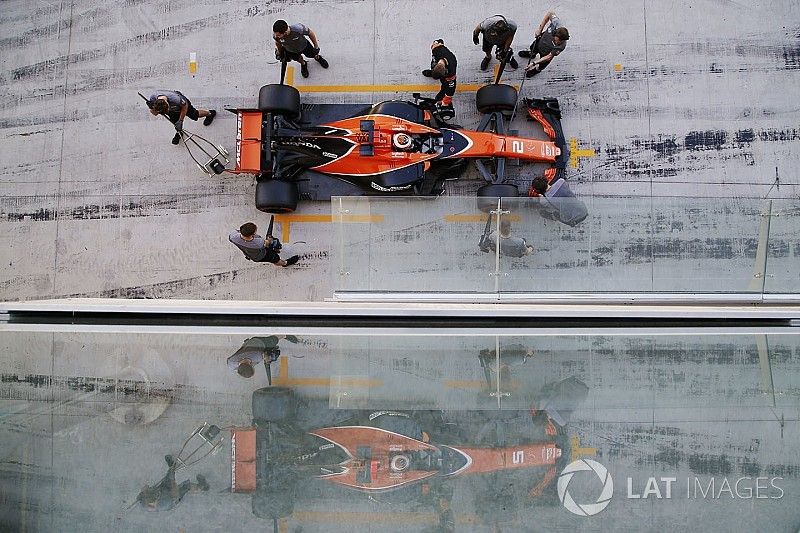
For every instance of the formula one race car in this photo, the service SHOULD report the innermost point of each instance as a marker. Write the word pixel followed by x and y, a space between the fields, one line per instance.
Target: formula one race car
pixel 392 147
pixel 301 452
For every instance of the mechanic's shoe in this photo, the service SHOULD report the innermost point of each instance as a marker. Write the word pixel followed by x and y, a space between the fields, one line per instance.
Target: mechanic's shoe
pixel 292 260
pixel 201 480
pixel 524 53
pixel 485 63
pixel 170 460
pixel 513 63
pixel 176 139
pixel 292 339
pixel 322 61
pixel 428 73
pixel 304 70
pixel 210 118
pixel 532 72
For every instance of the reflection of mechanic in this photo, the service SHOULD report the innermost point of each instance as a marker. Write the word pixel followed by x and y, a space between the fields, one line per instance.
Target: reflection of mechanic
pixel 176 107
pixel 511 355
pixel 257 248
pixel 167 494
pixel 255 350
pixel 560 399
pixel 443 68
pixel 509 246
pixel 559 202
pixel 291 41
pixel 440 496
pixel 546 44
pixel 497 31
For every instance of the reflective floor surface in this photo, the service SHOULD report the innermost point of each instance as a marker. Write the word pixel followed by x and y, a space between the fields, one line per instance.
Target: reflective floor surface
pixel 158 429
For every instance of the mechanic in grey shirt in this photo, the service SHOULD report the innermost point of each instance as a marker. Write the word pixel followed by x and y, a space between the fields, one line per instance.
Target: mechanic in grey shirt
pixel 257 248
pixel 546 44
pixel 509 246
pixel 497 31
pixel 255 350
pixel 175 106
pixel 291 43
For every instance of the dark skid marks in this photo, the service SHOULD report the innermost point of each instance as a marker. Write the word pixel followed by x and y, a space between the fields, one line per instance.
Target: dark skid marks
pixel 167 289
pixel 644 251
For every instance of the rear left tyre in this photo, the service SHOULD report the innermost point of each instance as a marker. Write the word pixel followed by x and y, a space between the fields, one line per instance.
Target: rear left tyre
pixel 276 196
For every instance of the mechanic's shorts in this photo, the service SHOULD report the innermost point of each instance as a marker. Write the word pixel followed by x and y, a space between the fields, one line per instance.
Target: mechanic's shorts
pixel 487 46
pixel 191 113
pixel 309 51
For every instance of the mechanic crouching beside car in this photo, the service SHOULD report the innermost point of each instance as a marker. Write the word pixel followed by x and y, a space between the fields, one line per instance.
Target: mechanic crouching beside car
pixel 443 68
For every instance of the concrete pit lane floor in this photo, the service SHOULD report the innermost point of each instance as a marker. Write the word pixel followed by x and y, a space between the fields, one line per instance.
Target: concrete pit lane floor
pixel 687 99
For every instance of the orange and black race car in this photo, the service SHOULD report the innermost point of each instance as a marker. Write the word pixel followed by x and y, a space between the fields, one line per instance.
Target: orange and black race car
pixel 393 147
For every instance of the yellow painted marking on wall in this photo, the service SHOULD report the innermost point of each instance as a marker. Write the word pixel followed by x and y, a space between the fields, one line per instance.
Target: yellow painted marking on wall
pixel 578 451
pixel 192 62
pixel 478 218
pixel 289 76
pixel 284 380
pixel 287 220
pixel 618 67
pixel 282 527
pixel 575 153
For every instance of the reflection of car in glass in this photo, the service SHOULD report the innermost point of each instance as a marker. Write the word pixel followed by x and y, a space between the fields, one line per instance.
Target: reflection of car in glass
pixel 300 450
pixel 392 147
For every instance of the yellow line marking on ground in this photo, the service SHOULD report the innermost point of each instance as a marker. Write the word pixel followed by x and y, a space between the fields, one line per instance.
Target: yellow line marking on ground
pixel 284 380
pixel 575 153
pixel 618 67
pixel 578 451
pixel 478 218
pixel 460 88
pixel 287 220
pixel 475 384
pixel 345 517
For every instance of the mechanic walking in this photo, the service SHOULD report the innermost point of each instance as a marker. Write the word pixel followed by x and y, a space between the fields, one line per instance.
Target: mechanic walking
pixel 257 248
pixel 291 42
pixel 497 31
pixel 443 68
pixel 546 44
pixel 176 107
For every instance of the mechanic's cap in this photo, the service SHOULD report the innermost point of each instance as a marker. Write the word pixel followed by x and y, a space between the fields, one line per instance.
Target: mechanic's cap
pixel 440 41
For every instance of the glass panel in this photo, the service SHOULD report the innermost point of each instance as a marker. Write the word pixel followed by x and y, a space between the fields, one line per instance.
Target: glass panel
pixel 405 432
pixel 783 252
pixel 665 245
pixel 420 244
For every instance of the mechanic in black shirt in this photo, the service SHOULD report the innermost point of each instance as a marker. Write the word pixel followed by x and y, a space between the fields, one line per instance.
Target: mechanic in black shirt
pixel 443 68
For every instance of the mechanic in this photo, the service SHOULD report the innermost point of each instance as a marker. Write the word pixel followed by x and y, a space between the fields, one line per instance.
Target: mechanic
pixel 167 494
pixel 497 31
pixel 255 350
pixel 175 106
pixel 443 68
pixel 560 202
pixel 257 248
pixel 509 246
pixel 291 42
pixel 546 44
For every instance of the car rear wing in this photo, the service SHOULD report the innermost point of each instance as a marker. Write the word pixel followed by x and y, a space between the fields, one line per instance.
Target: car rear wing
pixel 547 113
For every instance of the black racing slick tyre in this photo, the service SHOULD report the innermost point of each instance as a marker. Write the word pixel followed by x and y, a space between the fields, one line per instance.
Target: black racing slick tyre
pixel 272 404
pixel 496 97
pixel 488 195
pixel 276 196
pixel 279 99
